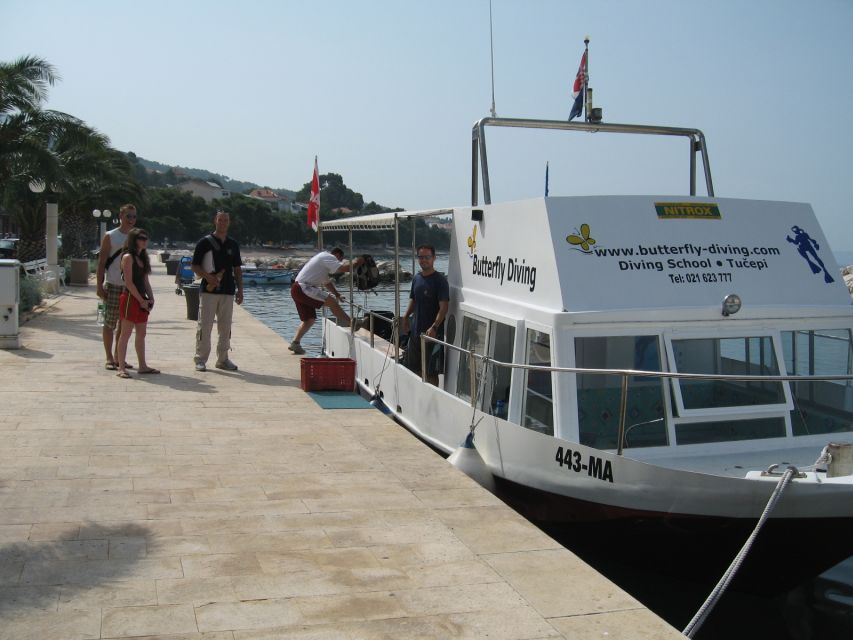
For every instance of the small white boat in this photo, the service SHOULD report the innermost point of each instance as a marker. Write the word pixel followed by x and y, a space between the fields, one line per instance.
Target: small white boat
pixel 268 276
pixel 654 360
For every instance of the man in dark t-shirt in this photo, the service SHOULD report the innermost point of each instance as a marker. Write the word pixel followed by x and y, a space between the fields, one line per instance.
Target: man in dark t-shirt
pixel 428 302
pixel 216 260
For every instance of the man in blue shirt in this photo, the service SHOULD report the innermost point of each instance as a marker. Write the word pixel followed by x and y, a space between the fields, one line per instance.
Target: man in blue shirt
pixel 428 302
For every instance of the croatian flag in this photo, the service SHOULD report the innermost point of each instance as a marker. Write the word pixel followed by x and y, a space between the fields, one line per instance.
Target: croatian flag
pixel 578 89
pixel 314 203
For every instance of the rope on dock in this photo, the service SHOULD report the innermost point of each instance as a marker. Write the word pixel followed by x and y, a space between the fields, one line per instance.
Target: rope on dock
pixel 707 606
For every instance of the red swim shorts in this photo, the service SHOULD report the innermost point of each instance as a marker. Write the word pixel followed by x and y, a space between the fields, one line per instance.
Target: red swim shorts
pixel 305 305
pixel 129 309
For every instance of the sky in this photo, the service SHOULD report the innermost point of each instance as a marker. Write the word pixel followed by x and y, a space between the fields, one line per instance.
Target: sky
pixel 385 92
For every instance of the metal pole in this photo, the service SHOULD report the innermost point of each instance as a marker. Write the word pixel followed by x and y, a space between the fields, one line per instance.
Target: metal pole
pixel 423 355
pixel 472 378
pixel 709 184
pixel 397 286
pixel 351 277
pixel 586 94
pixel 487 191
pixel 474 162
pixel 492 49
pixel 623 404
pixel 693 149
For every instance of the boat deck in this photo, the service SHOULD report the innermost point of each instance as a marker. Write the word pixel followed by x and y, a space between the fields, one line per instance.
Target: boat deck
pixel 230 505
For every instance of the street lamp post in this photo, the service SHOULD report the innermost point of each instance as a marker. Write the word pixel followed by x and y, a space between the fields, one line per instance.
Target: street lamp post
pixel 102 217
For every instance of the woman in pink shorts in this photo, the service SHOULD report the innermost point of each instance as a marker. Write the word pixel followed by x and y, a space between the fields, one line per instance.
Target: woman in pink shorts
pixel 136 300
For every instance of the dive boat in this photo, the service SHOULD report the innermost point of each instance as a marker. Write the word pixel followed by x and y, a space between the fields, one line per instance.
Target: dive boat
pixel 659 361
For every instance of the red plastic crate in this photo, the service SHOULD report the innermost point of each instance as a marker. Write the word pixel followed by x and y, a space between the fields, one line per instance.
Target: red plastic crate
pixel 328 374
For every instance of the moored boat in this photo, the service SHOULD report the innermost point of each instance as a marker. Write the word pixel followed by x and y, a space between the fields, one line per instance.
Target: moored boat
pixel 658 360
pixel 268 276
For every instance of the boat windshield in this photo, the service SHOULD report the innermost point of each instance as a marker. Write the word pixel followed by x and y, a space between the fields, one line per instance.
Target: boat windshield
pixel 825 406
pixel 726 356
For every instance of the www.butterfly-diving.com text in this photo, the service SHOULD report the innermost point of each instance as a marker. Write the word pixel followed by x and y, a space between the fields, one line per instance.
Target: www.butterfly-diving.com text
pixel 686 249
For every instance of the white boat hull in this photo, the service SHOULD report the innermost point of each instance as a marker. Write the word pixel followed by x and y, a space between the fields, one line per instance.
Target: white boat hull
pixel 529 459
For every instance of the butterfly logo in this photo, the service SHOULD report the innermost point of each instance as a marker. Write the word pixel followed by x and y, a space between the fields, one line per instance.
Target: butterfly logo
pixel 581 239
pixel 472 242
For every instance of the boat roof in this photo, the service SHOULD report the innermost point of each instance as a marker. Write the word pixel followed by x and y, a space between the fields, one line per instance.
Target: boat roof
pixel 627 258
pixel 379 221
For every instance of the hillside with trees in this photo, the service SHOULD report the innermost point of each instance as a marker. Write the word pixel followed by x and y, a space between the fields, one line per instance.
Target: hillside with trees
pixel 81 171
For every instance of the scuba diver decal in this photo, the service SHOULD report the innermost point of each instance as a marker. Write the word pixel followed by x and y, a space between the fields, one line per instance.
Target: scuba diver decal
pixel 808 248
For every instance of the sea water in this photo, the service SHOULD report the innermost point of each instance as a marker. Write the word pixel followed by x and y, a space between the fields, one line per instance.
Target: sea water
pixel 273 305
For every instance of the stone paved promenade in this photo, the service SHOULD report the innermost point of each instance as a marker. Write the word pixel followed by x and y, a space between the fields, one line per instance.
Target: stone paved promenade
pixel 220 506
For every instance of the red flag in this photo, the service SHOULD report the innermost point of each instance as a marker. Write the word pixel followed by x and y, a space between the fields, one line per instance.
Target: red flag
pixel 578 89
pixel 579 78
pixel 314 203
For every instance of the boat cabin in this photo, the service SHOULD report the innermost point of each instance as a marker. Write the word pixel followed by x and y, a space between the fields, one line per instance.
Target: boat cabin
pixel 651 283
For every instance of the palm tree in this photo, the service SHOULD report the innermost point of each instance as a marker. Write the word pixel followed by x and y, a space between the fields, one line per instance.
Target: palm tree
pixel 24 127
pixel 73 160
pixel 94 176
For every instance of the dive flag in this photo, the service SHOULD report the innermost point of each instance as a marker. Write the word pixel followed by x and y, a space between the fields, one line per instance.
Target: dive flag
pixel 578 89
pixel 314 203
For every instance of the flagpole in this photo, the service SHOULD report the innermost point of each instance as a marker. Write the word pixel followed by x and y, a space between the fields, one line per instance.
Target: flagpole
pixel 319 230
pixel 492 47
pixel 586 96
pixel 546 178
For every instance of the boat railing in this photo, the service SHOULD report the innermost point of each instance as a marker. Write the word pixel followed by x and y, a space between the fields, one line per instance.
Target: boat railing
pixel 696 141
pixel 624 375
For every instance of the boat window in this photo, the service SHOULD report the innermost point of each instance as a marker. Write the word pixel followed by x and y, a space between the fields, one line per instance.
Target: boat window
pixel 473 339
pixel 538 410
pixel 502 343
pixel 729 430
pixel 600 396
pixel 726 356
pixel 822 406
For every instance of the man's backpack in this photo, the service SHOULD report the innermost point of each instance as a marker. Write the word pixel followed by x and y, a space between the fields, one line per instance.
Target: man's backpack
pixel 366 275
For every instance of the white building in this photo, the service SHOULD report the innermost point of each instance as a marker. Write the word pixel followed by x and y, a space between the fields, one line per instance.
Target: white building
pixel 209 191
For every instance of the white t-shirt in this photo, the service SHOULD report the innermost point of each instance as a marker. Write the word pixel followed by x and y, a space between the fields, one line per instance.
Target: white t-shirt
pixel 317 270
pixel 117 240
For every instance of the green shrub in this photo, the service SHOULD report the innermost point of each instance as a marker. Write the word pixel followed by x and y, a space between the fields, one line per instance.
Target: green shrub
pixel 31 295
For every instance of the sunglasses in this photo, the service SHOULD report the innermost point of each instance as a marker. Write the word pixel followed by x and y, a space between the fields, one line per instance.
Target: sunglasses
pixel 145 238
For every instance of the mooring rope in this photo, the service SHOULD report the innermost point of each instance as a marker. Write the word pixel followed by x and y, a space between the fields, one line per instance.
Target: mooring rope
pixel 377 380
pixel 703 612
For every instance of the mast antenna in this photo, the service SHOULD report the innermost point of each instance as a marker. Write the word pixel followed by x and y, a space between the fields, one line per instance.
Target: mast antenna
pixel 492 47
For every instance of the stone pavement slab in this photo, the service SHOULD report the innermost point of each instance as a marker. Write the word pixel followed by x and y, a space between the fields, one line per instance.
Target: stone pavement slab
pixel 228 505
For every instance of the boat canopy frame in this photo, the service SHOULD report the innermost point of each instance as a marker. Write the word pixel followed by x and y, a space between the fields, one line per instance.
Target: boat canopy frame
pixel 479 158
pixel 389 221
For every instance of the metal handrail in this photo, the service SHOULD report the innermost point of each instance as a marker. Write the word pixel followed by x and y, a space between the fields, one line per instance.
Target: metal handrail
pixel 478 145
pixel 623 373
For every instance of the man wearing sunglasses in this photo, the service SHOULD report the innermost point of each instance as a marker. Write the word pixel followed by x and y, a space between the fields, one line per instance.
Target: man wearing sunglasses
pixel 110 283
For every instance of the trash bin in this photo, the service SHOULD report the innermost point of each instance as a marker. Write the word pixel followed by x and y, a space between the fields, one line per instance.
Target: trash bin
pixel 164 256
pixel 79 272
pixel 191 292
pixel 172 266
